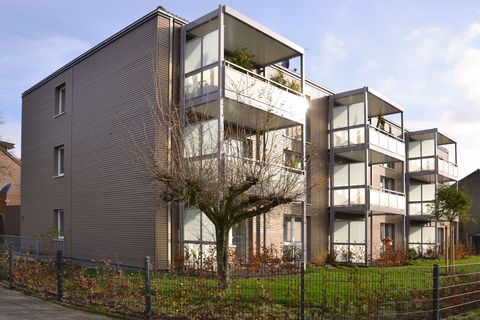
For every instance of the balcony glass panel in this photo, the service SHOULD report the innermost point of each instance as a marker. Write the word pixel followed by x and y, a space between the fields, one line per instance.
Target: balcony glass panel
pixel 193 86
pixel 414 150
pixel 340 117
pixel 192 225
pixel 193 55
pixel 428 164
pixel 428 235
pixel 387 198
pixel 356 114
pixel 357 174
pixel 415 208
pixel 340 197
pixel 428 192
pixel 340 233
pixel 357 136
pixel 415 193
pixel 210 80
pixel 386 141
pixel 357 232
pixel 210 48
pixel 357 196
pixel 340 138
pixel 428 148
pixel 426 208
pixel 415 234
pixel 340 173
pixel 415 165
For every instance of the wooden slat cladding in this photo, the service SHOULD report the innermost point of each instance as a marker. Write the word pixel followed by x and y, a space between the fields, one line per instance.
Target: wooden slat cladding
pixel 109 201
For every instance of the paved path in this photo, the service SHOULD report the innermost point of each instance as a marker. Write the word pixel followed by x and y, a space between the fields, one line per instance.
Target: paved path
pixel 16 306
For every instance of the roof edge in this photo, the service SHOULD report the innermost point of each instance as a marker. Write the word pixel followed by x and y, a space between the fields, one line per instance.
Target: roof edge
pixel 158 11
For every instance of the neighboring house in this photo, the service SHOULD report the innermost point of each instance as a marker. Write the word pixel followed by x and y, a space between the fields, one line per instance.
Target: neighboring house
pixel 77 125
pixel 470 231
pixel 10 168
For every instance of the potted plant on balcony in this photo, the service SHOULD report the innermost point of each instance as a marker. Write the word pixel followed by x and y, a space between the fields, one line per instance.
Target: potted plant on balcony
pixel 280 78
pixel 241 58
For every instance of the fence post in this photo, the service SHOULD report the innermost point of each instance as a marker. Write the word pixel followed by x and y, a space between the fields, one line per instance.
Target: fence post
pixel 436 292
pixel 302 291
pixel 59 269
pixel 148 291
pixel 10 266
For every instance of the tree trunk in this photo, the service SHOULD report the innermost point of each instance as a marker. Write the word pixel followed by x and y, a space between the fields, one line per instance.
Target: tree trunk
pixel 222 256
pixel 452 241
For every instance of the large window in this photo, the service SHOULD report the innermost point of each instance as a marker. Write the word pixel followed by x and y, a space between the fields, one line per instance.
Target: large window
pixel 58 222
pixel 60 100
pixel 201 73
pixel 59 165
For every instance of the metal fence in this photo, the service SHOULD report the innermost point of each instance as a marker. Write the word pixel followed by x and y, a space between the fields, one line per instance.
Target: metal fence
pixel 39 247
pixel 266 292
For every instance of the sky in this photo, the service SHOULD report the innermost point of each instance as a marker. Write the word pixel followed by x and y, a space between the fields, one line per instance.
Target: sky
pixel 424 55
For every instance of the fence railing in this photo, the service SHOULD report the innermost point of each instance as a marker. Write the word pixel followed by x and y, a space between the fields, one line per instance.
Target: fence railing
pixel 264 293
pixel 35 247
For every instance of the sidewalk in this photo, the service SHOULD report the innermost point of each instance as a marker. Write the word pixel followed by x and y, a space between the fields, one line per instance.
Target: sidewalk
pixel 16 306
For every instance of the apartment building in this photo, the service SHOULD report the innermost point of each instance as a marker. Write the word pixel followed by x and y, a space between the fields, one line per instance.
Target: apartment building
pixel 432 162
pixel 80 177
pixel 470 231
pixel 10 197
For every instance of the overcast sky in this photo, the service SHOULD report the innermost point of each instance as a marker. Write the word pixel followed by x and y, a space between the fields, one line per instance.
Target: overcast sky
pixel 425 55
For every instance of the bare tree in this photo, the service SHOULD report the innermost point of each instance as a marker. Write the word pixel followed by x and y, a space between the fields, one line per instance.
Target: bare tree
pixel 230 174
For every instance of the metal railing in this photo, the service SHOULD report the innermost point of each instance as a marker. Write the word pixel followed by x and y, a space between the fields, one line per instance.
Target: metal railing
pixel 386 141
pixel 260 92
pixel 32 246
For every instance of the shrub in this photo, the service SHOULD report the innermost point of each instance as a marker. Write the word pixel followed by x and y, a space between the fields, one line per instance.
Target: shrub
pixel 280 78
pixel 241 57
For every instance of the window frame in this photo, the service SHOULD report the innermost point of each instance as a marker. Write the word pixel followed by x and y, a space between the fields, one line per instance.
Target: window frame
pixel 60 100
pixel 59 223
pixel 59 161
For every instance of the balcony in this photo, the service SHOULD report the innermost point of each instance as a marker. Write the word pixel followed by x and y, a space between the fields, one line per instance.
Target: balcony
pixel 214 86
pixel 429 156
pixel 386 142
pixel 363 119
pixel 252 97
pixel 272 175
pixel 381 200
pixel 385 200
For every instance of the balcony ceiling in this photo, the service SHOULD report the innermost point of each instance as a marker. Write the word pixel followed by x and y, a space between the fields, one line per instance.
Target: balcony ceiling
pixel 429 135
pixel 250 117
pixel 266 47
pixel 374 156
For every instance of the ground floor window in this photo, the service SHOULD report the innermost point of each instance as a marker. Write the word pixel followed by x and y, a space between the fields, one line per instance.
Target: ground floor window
pixel 58 222
pixel 387 233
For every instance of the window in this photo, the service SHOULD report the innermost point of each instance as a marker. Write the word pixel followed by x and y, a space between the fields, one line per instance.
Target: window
pixel 390 165
pixel 59 161
pixel 60 100
pixel 387 183
pixel 292 230
pixel 292 159
pixel 387 231
pixel 58 222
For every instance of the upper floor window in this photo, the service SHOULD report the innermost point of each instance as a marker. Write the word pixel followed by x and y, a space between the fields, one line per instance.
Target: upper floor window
pixel 58 220
pixel 60 99
pixel 59 161
pixel 390 165
pixel 387 183
pixel 292 159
